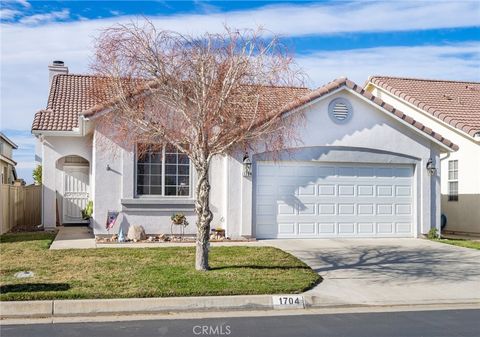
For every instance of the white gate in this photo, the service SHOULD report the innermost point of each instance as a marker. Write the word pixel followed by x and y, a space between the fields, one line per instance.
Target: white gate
pixel 75 193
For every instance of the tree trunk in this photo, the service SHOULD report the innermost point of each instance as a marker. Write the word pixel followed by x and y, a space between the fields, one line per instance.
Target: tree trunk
pixel 204 217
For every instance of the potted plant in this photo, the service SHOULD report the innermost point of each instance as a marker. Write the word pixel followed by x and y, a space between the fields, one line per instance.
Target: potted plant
pixel 179 220
pixel 87 211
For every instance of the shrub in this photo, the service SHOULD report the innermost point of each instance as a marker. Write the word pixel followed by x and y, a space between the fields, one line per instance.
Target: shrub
pixel 88 211
pixel 433 234
pixel 37 175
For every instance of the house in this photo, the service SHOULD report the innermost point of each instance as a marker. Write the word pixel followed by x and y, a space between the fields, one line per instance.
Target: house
pixel 8 174
pixel 363 169
pixel 451 108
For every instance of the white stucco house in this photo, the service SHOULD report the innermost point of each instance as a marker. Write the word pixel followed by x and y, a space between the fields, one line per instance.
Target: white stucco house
pixel 8 173
pixel 360 171
pixel 451 108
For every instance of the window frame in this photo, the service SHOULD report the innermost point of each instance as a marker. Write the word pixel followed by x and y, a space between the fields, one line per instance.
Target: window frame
pixel 162 196
pixel 452 180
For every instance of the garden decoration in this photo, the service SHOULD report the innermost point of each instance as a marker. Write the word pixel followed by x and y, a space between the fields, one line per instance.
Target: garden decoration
pixel 179 222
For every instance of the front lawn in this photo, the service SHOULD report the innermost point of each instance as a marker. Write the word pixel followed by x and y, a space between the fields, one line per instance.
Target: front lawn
pixel 461 243
pixel 143 272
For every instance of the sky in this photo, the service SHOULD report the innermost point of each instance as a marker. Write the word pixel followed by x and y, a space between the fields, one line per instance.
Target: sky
pixel 423 39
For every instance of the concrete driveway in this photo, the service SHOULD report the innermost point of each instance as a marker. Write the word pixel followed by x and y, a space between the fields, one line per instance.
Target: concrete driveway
pixel 388 271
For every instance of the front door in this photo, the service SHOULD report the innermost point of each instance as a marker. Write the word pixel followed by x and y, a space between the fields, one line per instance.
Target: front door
pixel 75 193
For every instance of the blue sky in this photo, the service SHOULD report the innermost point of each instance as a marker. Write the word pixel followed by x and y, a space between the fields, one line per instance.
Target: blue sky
pixel 431 39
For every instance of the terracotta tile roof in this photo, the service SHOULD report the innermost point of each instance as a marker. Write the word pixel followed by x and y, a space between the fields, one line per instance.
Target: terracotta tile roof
pixel 70 96
pixel 338 83
pixel 454 102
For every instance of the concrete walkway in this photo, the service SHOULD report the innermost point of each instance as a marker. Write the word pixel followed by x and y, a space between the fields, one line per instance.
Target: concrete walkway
pixel 74 238
pixel 388 271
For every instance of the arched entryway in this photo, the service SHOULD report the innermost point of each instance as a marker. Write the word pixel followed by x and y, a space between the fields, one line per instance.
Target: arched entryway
pixel 73 188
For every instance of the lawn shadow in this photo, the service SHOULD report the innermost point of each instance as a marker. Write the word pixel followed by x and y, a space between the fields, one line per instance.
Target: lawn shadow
pixel 33 287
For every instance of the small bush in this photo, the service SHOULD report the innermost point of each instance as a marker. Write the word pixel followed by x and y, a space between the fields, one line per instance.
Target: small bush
pixel 433 234
pixel 37 175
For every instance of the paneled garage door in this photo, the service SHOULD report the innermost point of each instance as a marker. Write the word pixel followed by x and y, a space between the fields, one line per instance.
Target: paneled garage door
pixel 302 200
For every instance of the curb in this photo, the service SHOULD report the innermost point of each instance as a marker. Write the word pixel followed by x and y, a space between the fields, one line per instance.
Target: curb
pixel 126 306
pixel 62 308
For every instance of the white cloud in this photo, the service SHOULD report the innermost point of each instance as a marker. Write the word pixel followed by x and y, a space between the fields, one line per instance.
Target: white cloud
pixel 27 49
pixel 23 3
pixel 8 14
pixel 45 17
pixel 460 61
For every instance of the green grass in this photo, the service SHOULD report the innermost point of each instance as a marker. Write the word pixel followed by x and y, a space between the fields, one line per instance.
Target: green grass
pixel 143 272
pixel 461 243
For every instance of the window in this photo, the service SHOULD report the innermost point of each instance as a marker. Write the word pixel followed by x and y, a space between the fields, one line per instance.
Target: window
pixel 453 180
pixel 162 171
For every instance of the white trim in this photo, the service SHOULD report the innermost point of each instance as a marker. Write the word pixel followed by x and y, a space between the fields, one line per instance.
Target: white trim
pixel 433 118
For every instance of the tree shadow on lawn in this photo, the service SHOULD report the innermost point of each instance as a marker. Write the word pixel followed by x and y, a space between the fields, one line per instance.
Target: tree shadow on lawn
pixel 33 287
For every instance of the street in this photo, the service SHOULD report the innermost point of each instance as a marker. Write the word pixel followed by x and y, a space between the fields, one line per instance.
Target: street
pixel 440 323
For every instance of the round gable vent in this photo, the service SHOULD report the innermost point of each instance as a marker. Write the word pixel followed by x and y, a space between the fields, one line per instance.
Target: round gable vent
pixel 340 110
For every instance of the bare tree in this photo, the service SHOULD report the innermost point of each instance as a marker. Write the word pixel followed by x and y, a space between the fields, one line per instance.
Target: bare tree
pixel 204 95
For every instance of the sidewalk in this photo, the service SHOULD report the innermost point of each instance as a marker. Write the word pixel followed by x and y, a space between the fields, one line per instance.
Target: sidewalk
pixel 73 238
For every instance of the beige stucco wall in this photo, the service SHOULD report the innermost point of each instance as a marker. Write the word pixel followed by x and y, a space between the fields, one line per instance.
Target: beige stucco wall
pixel 462 215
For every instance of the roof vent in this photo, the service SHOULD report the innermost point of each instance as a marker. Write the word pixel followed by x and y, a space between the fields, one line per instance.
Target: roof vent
pixel 448 97
pixel 340 110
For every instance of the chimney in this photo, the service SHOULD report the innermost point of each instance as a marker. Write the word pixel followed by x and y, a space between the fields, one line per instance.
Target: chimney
pixel 56 68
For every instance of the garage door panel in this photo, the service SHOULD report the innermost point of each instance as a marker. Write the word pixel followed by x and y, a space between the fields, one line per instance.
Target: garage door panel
pixel 306 228
pixel 326 209
pixel 283 209
pixel 346 228
pixel 385 228
pixel 306 209
pixel 326 189
pixel 326 228
pixel 286 228
pixel 306 190
pixel 365 190
pixel 346 190
pixel 403 191
pixel 366 228
pixel 341 200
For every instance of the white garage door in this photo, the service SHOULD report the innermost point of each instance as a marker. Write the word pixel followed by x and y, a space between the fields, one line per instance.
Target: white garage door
pixel 301 200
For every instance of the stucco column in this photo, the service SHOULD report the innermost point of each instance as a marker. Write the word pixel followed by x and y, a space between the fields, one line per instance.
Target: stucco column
pixel 247 206
pixel 49 160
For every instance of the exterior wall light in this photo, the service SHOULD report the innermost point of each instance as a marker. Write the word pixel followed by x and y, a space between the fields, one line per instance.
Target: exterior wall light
pixel 431 167
pixel 247 165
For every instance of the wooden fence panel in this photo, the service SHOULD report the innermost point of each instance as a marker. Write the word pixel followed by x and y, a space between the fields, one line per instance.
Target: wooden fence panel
pixel 20 206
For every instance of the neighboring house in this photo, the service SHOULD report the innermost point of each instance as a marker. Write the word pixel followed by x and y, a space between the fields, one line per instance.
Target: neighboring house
pixel 453 109
pixel 359 172
pixel 8 174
